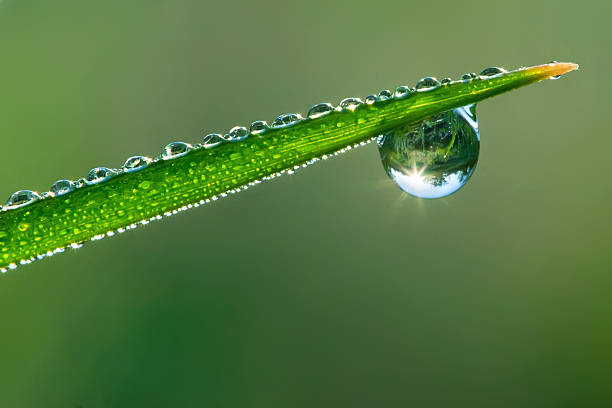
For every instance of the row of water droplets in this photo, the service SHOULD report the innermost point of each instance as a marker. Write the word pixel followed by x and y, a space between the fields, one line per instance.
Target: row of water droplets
pixel 174 150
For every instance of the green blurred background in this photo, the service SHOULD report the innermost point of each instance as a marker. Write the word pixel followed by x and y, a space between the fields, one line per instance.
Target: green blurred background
pixel 330 287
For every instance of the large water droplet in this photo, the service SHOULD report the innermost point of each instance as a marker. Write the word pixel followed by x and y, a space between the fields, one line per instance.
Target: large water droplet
pixel 212 140
pixel 320 109
pixel 287 119
pixel 98 175
pixel 350 103
pixel 176 149
pixel 435 157
pixel 61 187
pixel 258 127
pixel 136 163
pixel 21 198
pixel 427 84
pixel 237 133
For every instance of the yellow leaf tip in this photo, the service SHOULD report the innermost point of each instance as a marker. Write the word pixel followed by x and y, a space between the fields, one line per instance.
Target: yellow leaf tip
pixel 555 69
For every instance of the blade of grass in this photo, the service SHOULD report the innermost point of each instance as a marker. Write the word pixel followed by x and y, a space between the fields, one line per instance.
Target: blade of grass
pixel 167 186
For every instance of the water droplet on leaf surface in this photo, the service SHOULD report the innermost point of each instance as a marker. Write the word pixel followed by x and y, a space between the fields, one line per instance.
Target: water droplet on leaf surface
pixel 491 72
pixel 61 187
pixel 402 92
pixel 237 133
pixel 259 126
pixel 434 158
pixel 212 140
pixel 384 95
pixel 22 198
pixel 320 109
pixel 350 103
pixel 427 84
pixel 136 163
pixel 370 99
pixel 98 175
pixel 287 119
pixel 176 149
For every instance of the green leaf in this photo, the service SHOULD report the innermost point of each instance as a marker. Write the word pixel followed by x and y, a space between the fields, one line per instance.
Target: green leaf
pixel 164 187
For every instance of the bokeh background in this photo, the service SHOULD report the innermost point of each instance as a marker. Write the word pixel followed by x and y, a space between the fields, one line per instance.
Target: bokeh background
pixel 330 287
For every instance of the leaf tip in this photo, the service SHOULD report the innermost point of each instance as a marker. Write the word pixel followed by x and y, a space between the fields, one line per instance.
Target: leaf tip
pixel 556 69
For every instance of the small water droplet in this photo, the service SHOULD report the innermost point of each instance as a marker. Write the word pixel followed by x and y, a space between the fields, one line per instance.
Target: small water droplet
pixel 370 99
pixel 320 109
pixel 98 175
pixel 350 103
pixel 175 149
pixel 287 119
pixel 435 157
pixel 402 92
pixel 61 187
pixel 136 163
pixel 427 84
pixel 258 127
pixel 446 81
pixel 212 140
pixel 492 72
pixel 466 77
pixel 80 183
pixel 384 95
pixel 237 133
pixel 21 198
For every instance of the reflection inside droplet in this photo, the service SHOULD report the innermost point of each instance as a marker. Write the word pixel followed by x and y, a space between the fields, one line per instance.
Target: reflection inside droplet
pixel 434 158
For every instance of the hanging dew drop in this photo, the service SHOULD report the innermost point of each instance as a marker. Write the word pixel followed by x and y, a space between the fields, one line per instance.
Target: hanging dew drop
pixel 427 84
pixel 258 127
pixel 21 198
pixel 211 140
pixel 99 175
pixel 434 158
pixel 350 104
pixel 136 163
pixel 320 109
pixel 61 187
pixel 287 119
pixel 176 149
